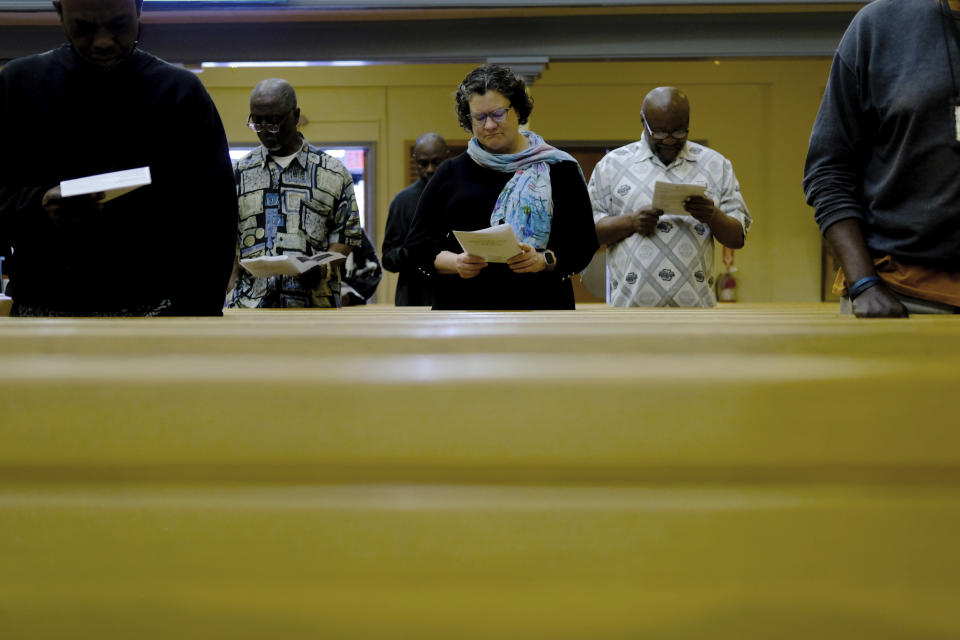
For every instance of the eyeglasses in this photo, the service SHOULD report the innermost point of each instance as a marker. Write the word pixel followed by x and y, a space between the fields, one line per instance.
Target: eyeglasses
pixel 663 135
pixel 498 115
pixel 269 127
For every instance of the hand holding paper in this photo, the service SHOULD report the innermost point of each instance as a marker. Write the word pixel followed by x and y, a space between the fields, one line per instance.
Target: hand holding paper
pixel 645 220
pixel 468 266
pixel 530 261
pixel 69 212
pixel 701 208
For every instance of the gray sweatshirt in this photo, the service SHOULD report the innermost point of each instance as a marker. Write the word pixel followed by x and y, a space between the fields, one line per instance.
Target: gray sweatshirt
pixel 883 149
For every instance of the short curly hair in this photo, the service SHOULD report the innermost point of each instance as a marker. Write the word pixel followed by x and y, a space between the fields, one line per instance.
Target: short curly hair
pixel 493 77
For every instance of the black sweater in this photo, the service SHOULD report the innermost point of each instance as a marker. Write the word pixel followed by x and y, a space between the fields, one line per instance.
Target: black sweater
pixel 413 287
pixel 174 239
pixel 883 148
pixel 461 196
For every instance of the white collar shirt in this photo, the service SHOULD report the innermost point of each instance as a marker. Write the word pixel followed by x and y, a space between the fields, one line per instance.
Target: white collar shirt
pixel 673 266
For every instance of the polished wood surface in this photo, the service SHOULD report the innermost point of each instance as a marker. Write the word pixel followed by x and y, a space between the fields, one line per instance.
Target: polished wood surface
pixel 749 471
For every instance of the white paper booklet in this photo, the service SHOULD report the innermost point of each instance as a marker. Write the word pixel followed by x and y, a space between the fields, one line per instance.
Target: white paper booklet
pixel 669 197
pixel 493 244
pixel 112 184
pixel 288 265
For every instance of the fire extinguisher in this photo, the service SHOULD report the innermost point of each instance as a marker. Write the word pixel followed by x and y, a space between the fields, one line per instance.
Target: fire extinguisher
pixel 727 281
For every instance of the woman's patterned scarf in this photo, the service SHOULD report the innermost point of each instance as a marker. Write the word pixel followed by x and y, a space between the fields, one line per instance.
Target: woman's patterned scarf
pixel 526 202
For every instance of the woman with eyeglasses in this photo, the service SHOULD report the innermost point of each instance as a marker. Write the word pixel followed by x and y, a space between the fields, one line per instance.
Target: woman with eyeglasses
pixel 506 176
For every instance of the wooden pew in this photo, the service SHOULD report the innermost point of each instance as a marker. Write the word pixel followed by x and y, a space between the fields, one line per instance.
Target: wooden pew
pixel 749 471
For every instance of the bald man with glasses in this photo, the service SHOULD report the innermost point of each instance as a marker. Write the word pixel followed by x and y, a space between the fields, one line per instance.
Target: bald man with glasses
pixel 655 259
pixel 294 200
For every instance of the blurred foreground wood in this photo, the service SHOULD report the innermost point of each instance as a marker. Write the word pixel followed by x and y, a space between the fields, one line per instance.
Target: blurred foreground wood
pixel 754 471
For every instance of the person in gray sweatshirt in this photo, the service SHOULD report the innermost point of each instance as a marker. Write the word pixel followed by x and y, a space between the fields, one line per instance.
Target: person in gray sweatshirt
pixel 883 166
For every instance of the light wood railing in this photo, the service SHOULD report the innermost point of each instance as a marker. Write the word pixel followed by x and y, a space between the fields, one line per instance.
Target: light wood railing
pixel 754 471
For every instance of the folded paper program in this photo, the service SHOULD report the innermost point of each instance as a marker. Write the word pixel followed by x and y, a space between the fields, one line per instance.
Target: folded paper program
pixel 112 185
pixel 288 264
pixel 493 244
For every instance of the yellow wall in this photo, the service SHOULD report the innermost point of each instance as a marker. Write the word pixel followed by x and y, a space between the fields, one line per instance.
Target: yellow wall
pixel 758 113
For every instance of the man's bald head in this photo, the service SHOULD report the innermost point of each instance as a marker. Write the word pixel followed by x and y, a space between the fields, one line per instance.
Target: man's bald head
pixel 667 100
pixel 273 104
pixel 666 118
pixel 277 91
pixel 429 152
pixel 102 32
pixel 429 139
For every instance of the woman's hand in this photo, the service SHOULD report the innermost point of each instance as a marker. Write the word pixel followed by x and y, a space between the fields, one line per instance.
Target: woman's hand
pixel 463 264
pixel 469 266
pixel 529 261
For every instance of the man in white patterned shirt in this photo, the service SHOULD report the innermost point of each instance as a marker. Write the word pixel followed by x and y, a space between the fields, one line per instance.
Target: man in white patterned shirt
pixel 655 259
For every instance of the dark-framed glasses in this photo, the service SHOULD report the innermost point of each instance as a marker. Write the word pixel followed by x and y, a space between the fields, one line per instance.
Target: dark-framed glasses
pixel 663 135
pixel 269 127
pixel 498 115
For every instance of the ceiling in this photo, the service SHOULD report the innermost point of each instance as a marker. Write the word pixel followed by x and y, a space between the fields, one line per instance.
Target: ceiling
pixel 442 30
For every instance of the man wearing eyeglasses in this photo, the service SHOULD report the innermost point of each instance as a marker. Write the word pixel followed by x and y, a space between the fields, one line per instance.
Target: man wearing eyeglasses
pixel 97 105
pixel 655 259
pixel 414 288
pixel 294 199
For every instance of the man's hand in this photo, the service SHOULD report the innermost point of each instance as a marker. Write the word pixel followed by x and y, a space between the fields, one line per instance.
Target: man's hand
pixel 645 220
pixel 67 211
pixel 469 266
pixel 529 260
pixel 878 302
pixel 234 274
pixel 311 279
pixel 726 229
pixel 846 240
pixel 701 208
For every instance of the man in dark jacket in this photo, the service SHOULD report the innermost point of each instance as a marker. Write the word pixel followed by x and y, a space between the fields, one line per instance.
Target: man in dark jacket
pixel 413 287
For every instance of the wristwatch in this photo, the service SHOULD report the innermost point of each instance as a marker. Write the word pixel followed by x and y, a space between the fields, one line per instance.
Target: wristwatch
pixel 549 259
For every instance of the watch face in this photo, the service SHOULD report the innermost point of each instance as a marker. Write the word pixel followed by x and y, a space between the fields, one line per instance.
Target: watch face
pixel 548 257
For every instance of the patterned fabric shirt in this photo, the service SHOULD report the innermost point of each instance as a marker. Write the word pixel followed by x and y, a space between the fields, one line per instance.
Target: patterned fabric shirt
pixel 299 210
pixel 673 266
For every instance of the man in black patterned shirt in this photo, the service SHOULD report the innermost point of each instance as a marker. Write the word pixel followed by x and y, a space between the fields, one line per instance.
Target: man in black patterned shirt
pixel 294 200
